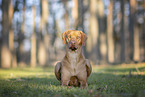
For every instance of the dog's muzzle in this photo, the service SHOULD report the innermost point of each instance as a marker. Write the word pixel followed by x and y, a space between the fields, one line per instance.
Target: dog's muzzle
pixel 73 46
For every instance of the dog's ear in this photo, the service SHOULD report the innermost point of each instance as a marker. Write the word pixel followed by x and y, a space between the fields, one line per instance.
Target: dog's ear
pixel 83 38
pixel 63 36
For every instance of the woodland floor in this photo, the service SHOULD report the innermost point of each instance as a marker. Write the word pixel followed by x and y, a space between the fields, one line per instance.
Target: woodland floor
pixel 125 80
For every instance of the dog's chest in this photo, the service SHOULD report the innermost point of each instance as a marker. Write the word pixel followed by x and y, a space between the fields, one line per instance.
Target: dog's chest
pixel 73 57
pixel 74 63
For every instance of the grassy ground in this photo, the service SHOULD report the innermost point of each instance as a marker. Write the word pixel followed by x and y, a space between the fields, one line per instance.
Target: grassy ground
pixel 126 80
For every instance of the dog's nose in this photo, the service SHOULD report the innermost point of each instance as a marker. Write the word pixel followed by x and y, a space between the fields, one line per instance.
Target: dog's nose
pixel 73 42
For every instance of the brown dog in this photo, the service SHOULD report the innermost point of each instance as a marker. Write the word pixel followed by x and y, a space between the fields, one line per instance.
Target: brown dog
pixel 74 69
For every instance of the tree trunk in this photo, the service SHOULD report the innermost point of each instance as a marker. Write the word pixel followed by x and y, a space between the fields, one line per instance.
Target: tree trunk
pixel 131 28
pixel 126 35
pixel 66 15
pixel 42 49
pixel 144 33
pixel 75 13
pixel 11 36
pixel 80 25
pixel 122 33
pixel 33 40
pixel 21 38
pixel 142 43
pixel 144 37
pixel 102 45
pixel 5 51
pixel 93 33
pixel 110 33
pixel 136 55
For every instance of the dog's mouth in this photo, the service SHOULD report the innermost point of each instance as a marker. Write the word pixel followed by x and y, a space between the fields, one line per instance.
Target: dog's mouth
pixel 73 48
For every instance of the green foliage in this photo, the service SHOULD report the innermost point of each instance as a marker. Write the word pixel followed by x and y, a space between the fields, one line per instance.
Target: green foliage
pixel 105 81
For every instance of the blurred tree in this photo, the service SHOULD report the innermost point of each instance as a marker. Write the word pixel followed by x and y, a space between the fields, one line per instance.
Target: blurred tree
pixel 126 31
pixel 131 28
pixel 143 35
pixel 11 36
pixel 21 37
pixel 137 32
pixel 93 32
pixel 44 37
pixel 102 45
pixel 144 31
pixel 75 12
pixel 53 38
pixel 5 50
pixel 33 39
pixel 110 39
pixel 80 20
pixel 66 15
pixel 115 30
pixel 141 26
pixel 122 33
pixel 136 44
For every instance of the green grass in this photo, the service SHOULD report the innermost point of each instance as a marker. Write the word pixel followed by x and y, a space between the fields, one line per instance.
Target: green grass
pixel 105 81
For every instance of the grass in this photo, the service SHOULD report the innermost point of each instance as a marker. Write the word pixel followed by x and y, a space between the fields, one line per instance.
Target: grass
pixel 127 80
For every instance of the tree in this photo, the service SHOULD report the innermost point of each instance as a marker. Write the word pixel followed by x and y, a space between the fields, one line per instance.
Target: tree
pixel 33 39
pixel 21 37
pixel 75 12
pixel 143 35
pixel 5 51
pixel 144 32
pixel 66 15
pixel 122 33
pixel 110 39
pixel 126 34
pixel 131 27
pixel 93 32
pixel 43 44
pixel 79 24
pixel 11 36
pixel 102 45
pixel 136 52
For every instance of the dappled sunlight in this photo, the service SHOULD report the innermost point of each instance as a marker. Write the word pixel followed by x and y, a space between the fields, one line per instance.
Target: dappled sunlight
pixel 123 69
pixel 104 80
pixel 25 72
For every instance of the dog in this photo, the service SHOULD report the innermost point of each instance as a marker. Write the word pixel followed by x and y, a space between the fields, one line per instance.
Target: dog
pixel 74 69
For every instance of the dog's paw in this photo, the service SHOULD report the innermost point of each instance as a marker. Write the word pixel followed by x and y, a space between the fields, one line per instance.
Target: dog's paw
pixel 83 85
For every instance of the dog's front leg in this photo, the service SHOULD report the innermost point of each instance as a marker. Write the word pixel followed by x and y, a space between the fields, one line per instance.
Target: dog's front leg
pixel 65 78
pixel 83 79
pixel 64 83
pixel 83 84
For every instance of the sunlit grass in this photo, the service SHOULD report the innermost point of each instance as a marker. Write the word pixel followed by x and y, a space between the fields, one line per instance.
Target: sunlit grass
pixel 23 72
pixel 124 80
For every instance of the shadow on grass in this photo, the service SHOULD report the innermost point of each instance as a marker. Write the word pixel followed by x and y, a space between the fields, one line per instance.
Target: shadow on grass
pixel 117 85
pixel 29 87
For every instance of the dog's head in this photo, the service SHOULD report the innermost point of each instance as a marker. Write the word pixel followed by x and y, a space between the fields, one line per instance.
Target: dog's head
pixel 74 39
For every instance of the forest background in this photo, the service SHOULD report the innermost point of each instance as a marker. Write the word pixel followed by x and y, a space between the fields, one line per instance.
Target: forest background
pixel 30 30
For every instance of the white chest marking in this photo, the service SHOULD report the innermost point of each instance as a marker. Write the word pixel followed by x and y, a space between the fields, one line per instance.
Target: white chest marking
pixel 73 61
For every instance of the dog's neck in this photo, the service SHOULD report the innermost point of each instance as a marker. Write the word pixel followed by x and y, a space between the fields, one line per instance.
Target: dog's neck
pixel 74 55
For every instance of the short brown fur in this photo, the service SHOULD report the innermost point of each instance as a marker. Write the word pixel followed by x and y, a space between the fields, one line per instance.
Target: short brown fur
pixel 74 69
